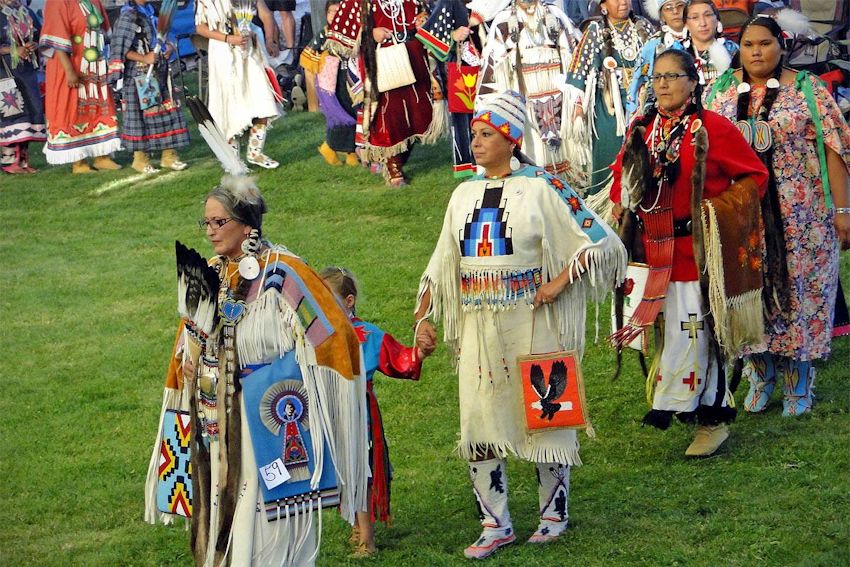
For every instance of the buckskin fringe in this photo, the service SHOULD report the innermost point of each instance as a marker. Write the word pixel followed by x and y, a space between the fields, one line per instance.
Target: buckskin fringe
pixel 737 320
pixel 606 267
pixel 445 298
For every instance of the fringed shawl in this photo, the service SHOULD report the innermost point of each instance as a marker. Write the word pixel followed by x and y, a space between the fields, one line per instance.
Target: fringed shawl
pixel 733 261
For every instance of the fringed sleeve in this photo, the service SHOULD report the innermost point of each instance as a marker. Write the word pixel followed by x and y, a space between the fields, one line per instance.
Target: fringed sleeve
pixel 570 231
pixel 581 84
pixel 331 366
pixel 442 280
pixel 311 57
pixel 495 74
pixel 212 14
pixel 344 31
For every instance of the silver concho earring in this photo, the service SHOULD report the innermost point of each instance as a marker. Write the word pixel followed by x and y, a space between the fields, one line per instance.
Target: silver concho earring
pixel 249 267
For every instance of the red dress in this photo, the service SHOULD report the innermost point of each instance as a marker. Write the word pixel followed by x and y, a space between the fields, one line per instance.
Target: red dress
pixel 396 118
pixel 729 157
pixel 81 122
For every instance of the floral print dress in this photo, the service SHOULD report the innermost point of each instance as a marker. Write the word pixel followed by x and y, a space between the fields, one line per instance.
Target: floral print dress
pixel 803 330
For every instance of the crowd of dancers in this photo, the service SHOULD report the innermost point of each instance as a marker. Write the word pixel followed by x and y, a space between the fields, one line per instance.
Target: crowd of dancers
pixel 700 178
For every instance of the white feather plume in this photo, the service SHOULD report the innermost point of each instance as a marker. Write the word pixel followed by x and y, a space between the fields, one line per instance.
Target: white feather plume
pixel 243 188
pixel 214 138
pixel 793 21
pixel 719 56
pixel 652 10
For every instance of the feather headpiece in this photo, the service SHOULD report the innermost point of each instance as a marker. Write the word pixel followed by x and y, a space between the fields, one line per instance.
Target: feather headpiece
pixel 215 139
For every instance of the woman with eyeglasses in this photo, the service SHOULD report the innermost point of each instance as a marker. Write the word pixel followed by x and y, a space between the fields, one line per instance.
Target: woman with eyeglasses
pixel 597 82
pixel 518 248
pixel 679 164
pixel 797 129
pixel 671 36
pixel 713 53
pixel 267 372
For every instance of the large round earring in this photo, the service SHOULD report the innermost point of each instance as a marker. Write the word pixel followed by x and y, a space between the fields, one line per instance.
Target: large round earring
pixel 515 164
pixel 604 11
pixel 719 27
pixel 249 267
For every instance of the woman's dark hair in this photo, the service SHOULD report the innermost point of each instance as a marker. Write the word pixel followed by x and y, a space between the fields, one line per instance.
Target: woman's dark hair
pixel 707 3
pixel 330 3
pixel 688 65
pixel 766 22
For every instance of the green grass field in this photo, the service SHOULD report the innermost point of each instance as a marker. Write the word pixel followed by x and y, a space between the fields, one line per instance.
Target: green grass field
pixel 88 314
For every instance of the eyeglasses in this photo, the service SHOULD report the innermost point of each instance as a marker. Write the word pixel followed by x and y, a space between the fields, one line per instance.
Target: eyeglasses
pixel 672 8
pixel 702 17
pixel 668 77
pixel 215 223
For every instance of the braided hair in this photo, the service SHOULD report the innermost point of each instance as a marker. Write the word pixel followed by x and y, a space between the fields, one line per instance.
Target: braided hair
pixel 776 266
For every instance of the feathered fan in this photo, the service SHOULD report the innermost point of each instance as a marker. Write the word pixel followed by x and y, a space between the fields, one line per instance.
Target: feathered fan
pixel 197 289
pixel 163 25
pixel 213 136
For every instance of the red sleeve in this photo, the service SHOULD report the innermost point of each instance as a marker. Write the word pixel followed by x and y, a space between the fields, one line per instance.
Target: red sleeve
pixel 617 172
pixel 731 152
pixel 398 361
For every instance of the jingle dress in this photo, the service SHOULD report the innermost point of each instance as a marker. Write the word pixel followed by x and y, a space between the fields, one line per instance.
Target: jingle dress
pixel 501 239
pixel 597 79
pixel 534 66
pixel 390 122
pixel 802 331
pixel 18 27
pixel 159 127
pixel 688 374
pixel 289 321
pixel 81 122
pixel 381 352
pixel 239 87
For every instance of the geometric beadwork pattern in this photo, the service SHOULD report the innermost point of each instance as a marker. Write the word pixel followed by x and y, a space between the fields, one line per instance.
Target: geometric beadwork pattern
pixel 174 484
pixel 486 232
